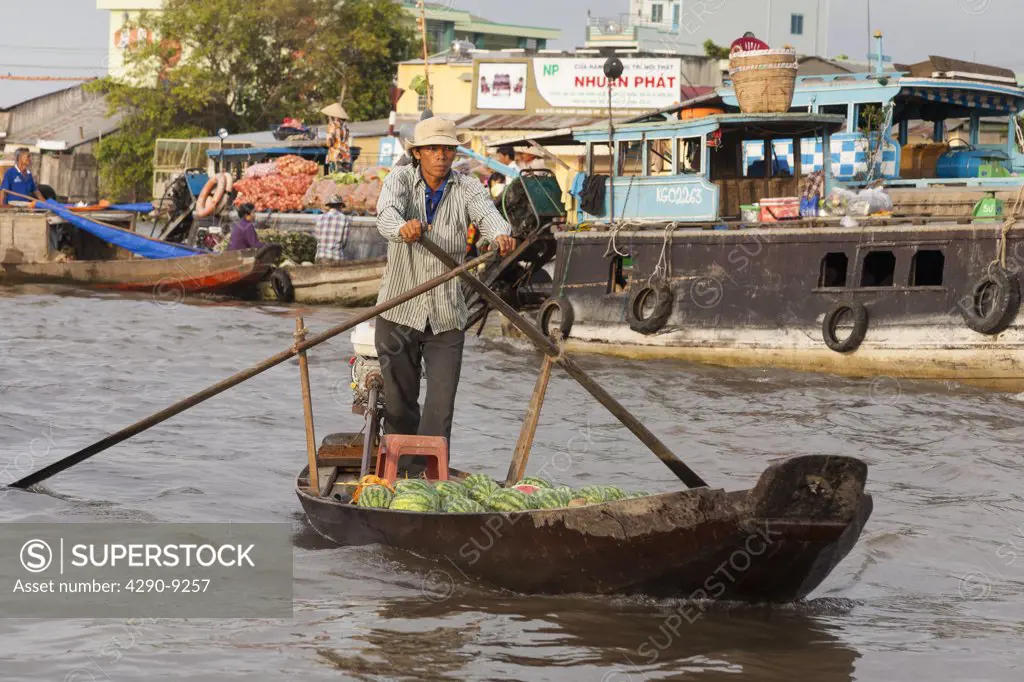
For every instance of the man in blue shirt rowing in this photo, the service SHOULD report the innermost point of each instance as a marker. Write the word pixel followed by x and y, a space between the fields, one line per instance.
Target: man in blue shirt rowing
pixel 19 179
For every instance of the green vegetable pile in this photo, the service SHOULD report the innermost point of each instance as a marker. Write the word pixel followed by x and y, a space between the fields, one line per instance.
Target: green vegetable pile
pixel 297 247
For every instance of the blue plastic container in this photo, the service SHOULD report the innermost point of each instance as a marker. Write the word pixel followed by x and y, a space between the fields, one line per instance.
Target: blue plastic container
pixel 967 163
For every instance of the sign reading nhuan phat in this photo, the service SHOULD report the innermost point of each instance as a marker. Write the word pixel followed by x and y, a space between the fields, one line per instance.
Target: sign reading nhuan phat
pixel 581 83
pixel 574 86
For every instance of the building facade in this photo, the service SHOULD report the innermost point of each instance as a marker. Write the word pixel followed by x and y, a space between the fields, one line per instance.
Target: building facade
pixel 61 129
pixel 682 26
pixel 445 24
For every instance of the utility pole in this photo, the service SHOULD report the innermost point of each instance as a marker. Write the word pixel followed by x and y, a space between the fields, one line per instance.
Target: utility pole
pixel 422 21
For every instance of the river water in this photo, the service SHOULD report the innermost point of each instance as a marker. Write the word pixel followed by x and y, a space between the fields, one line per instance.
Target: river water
pixel 931 591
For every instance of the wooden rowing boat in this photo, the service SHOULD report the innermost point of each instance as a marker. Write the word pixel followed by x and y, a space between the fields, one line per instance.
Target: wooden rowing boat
pixel 351 283
pixel 775 542
pixel 234 272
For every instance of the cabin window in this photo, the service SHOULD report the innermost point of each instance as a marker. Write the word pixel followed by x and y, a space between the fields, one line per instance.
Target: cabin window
pixel 631 158
pixel 833 270
pixel 660 160
pixel 691 156
pixel 600 159
pixel 879 269
pixel 757 161
pixel 796 24
pixel 618 277
pixel 657 13
pixel 926 268
pixel 870 117
pixel 836 110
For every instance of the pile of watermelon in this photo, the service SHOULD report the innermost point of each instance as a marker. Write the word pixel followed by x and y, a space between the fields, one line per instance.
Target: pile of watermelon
pixel 479 493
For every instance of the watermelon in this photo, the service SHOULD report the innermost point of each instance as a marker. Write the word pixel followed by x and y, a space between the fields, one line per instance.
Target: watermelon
pixel 551 499
pixel 376 497
pixel 612 493
pixel 415 502
pixel 593 494
pixel 408 485
pixel 508 500
pixel 482 489
pixel 449 489
pixel 637 493
pixel 527 489
pixel 473 480
pixel 458 504
pixel 567 490
pixel 537 481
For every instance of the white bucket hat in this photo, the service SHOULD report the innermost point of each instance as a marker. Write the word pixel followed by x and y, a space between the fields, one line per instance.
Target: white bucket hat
pixel 436 131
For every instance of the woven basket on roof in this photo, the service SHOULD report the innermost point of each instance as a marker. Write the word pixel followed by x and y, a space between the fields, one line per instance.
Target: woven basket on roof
pixel 764 80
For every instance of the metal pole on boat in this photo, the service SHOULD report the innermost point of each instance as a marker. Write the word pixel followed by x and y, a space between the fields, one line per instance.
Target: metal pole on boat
pixel 221 386
pixel 548 347
pixel 612 70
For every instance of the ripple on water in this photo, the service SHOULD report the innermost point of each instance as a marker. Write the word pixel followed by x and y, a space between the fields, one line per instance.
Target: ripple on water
pixel 930 592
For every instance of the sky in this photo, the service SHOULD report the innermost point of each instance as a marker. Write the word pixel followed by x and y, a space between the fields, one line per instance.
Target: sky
pixel 69 37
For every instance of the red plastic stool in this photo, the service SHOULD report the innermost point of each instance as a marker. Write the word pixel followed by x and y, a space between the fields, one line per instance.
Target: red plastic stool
pixel 394 446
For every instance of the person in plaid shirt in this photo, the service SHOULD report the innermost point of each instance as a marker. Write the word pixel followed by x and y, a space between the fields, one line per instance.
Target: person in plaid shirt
pixel 332 233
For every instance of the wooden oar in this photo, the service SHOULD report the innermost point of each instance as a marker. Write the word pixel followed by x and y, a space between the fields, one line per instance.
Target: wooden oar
pixel 522 453
pixel 234 380
pixel 683 472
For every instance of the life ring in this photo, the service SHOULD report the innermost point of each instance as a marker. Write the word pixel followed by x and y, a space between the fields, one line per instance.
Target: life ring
pixel 282 285
pixel 831 322
pixel 566 316
pixel 210 196
pixel 636 315
pixel 993 302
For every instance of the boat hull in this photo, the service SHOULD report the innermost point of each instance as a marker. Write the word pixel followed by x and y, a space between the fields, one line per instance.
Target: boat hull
pixel 760 298
pixel 776 542
pixel 351 284
pixel 235 272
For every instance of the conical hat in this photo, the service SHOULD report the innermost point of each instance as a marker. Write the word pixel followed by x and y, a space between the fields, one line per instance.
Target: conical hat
pixel 335 111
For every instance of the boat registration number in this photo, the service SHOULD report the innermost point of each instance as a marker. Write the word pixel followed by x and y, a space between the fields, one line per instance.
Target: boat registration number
pixel 679 195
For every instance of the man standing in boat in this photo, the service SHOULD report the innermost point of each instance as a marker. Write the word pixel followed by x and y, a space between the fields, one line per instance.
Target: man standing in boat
pixel 18 178
pixel 427 199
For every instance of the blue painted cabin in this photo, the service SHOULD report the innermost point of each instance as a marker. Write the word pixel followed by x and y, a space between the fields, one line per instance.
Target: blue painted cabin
pixel 695 170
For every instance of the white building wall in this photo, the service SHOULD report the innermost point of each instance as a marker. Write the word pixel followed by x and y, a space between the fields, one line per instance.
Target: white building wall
pixel 722 21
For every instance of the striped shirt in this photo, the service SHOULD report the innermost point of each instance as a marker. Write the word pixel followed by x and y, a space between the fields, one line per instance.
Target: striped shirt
pixel 403 198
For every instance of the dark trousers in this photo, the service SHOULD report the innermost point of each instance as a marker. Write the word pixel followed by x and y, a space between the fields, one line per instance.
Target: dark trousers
pixel 401 349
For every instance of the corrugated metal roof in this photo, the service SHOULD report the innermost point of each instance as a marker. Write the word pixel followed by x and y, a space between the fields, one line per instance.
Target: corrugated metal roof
pixel 83 118
pixel 13 93
pixel 525 121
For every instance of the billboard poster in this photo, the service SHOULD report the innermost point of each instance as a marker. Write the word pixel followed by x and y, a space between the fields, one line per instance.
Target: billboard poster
pixel 501 85
pixel 581 83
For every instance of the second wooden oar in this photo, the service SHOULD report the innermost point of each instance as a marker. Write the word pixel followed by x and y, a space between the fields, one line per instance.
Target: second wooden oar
pixel 234 380
pixel 678 467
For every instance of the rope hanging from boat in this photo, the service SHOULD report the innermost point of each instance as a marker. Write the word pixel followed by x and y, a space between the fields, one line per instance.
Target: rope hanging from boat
pixel 1008 223
pixel 616 226
pixel 663 270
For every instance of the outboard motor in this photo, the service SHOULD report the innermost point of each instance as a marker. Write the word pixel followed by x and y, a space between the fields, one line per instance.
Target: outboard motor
pixel 367 388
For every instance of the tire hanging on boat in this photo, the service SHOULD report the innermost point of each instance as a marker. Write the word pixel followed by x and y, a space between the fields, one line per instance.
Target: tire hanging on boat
pixel 831 322
pixel 639 301
pixel 282 284
pixel 993 302
pixel 566 316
